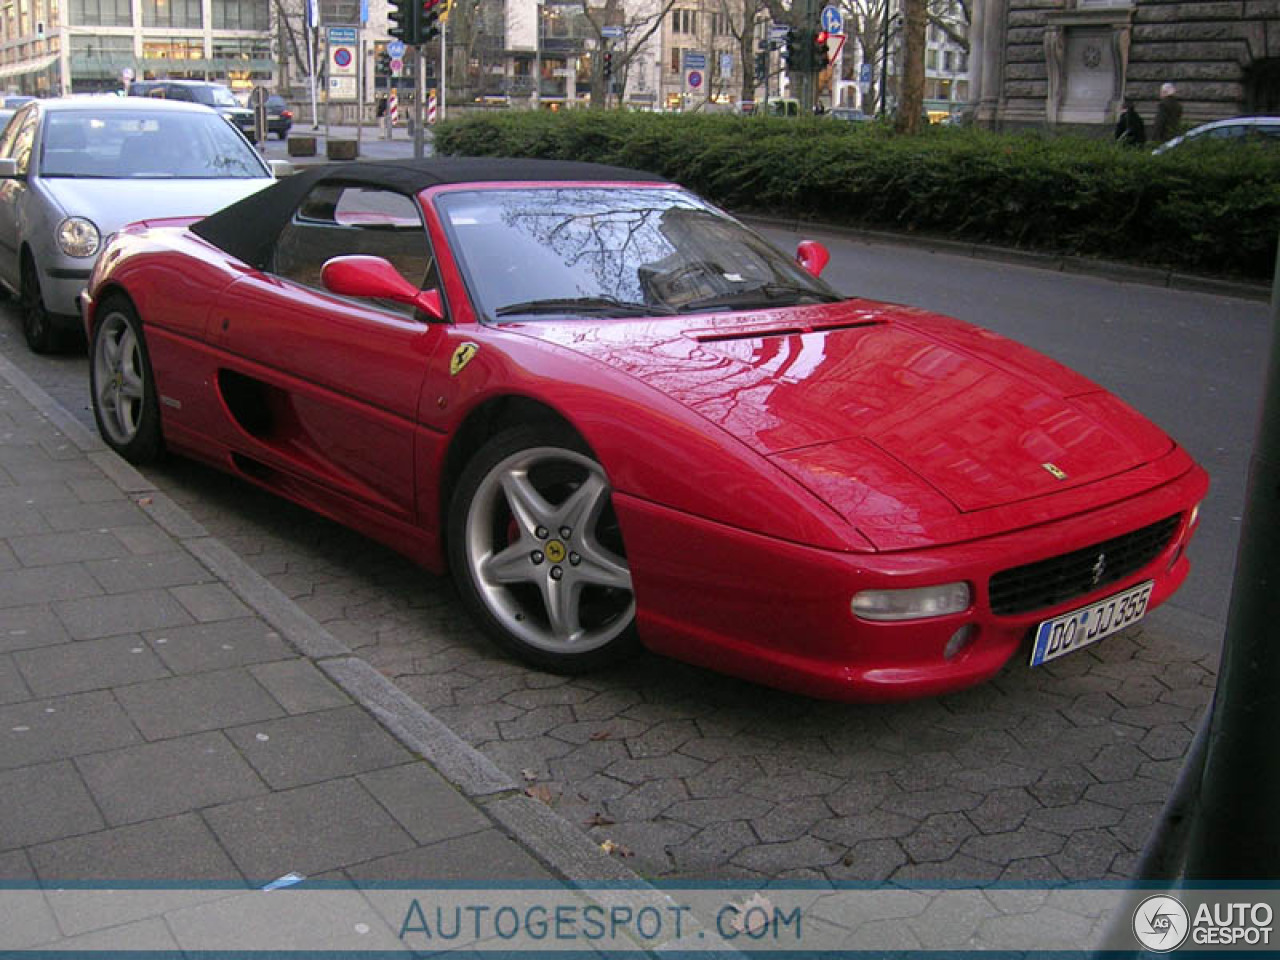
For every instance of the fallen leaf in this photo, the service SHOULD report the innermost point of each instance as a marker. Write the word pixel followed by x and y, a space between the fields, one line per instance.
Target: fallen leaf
pixel 599 820
pixel 615 849
pixel 144 501
pixel 529 775
pixel 540 792
pixel 753 916
pixel 602 735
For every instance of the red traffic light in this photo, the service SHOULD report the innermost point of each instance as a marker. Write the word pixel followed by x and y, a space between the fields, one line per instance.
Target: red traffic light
pixel 821 37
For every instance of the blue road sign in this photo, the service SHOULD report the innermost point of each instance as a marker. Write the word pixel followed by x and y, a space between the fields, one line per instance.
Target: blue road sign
pixel 833 20
pixel 396 49
pixel 695 60
pixel 695 79
pixel 864 73
pixel 611 33
pixel 344 35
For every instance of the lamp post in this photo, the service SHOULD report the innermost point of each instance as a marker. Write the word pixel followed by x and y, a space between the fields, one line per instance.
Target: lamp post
pixel 884 57
pixel 537 54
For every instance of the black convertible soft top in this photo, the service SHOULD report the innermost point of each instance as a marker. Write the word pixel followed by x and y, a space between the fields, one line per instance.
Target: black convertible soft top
pixel 248 228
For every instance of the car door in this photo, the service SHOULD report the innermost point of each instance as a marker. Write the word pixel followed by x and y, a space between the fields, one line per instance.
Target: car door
pixel 16 143
pixel 325 387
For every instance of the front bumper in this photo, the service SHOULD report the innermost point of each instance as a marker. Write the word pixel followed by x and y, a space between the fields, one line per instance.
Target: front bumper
pixel 779 613
pixel 61 287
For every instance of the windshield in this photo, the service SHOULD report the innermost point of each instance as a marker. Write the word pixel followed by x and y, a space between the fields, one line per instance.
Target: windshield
pixel 142 144
pixel 218 96
pixel 614 251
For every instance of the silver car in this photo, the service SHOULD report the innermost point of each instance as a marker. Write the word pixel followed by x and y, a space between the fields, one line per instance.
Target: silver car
pixel 75 170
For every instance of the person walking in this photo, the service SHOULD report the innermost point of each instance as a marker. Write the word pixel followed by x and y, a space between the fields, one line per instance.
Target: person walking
pixel 1168 114
pixel 1130 130
pixel 380 111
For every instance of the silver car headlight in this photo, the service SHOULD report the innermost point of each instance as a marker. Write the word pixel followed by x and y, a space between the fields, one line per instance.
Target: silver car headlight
pixel 78 237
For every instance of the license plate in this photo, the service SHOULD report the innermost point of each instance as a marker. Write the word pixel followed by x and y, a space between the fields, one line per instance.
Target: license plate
pixel 1072 631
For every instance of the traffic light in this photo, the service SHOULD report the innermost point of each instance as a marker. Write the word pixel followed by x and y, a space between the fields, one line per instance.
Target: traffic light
pixel 607 64
pixel 403 15
pixel 762 67
pixel 383 67
pixel 821 55
pixel 791 52
pixel 428 25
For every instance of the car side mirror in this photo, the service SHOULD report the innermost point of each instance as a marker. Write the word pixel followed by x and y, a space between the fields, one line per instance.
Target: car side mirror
pixel 813 256
pixel 357 275
pixel 8 168
pixel 281 168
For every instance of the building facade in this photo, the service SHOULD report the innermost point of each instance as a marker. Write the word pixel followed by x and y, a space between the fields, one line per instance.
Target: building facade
pixel 1072 63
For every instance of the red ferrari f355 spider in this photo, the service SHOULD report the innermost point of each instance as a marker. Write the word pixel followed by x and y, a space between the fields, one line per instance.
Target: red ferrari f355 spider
pixel 616 414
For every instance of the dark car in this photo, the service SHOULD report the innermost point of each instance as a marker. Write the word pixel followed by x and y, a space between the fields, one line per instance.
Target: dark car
pixel 215 95
pixel 279 117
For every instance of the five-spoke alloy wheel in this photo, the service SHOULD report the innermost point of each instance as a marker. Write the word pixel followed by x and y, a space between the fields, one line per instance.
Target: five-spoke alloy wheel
pixel 124 396
pixel 537 553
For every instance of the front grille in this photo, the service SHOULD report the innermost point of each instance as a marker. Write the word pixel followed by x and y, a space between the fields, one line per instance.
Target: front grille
pixel 1058 579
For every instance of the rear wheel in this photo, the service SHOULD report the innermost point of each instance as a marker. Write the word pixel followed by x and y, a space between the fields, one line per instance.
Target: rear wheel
pixel 123 388
pixel 537 553
pixel 37 326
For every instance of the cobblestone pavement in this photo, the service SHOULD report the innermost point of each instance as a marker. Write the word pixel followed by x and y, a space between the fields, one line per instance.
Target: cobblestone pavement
pixel 1038 775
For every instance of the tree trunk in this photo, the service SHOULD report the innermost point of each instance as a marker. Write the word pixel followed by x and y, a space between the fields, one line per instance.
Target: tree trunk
pixel 911 98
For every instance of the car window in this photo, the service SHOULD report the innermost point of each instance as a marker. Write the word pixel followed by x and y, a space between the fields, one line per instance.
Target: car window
pixel 643 247
pixel 11 132
pixel 181 93
pixel 145 144
pixel 218 97
pixel 1228 132
pixel 335 220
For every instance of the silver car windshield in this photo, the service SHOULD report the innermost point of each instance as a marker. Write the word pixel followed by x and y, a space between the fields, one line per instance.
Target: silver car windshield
pixel 614 251
pixel 120 144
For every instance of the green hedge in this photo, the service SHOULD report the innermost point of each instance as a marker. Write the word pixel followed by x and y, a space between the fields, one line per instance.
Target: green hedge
pixel 1212 209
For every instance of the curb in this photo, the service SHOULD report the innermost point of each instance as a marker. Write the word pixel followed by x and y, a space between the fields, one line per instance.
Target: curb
pixel 548 836
pixel 1059 263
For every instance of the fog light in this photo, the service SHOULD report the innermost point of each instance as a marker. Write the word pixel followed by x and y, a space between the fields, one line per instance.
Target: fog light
pixel 913 604
pixel 960 641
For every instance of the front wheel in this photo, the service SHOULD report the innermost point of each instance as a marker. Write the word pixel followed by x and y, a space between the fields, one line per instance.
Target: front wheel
pixel 37 326
pixel 537 553
pixel 122 386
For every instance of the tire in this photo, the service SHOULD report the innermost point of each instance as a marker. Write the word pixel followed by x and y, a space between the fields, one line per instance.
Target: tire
pixel 537 554
pixel 37 326
pixel 122 386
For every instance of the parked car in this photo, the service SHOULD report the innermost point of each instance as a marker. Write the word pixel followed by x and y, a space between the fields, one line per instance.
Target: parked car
pixel 215 95
pixel 5 114
pixel 74 170
pixel 14 101
pixel 1234 130
pixel 614 412
pixel 279 117
pixel 848 114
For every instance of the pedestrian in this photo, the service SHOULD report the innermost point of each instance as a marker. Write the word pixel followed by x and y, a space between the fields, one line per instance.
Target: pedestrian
pixel 1168 114
pixel 380 111
pixel 1130 130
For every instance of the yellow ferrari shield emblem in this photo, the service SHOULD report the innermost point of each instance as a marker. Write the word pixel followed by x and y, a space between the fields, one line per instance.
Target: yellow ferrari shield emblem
pixel 461 357
pixel 556 551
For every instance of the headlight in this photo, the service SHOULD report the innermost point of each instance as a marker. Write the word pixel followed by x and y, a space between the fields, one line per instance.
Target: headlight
pixel 78 237
pixel 1195 516
pixel 913 604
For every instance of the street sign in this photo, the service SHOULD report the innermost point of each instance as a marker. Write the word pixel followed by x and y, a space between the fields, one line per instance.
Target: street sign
pixel 726 64
pixel 397 65
pixel 612 33
pixel 832 19
pixel 344 61
pixel 342 35
pixel 395 49
pixel 342 88
pixel 695 60
pixel 864 73
pixel 778 30
pixel 694 79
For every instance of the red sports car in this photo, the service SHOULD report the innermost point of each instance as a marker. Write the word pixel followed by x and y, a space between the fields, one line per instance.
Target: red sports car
pixel 618 415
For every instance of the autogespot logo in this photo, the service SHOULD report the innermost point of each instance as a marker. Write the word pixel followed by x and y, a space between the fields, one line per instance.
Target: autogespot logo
pixel 1161 923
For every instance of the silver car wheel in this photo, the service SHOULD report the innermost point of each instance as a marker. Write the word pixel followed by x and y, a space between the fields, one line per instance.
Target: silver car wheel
pixel 534 549
pixel 119 378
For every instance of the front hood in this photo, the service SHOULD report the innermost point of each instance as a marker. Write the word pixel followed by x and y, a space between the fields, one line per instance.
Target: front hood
pixel 111 204
pixel 955 411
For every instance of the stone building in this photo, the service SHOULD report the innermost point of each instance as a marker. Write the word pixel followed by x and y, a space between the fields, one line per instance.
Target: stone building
pixel 1071 63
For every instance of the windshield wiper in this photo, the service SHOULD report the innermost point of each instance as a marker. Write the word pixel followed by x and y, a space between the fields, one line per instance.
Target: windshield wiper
pixel 585 305
pixel 765 295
